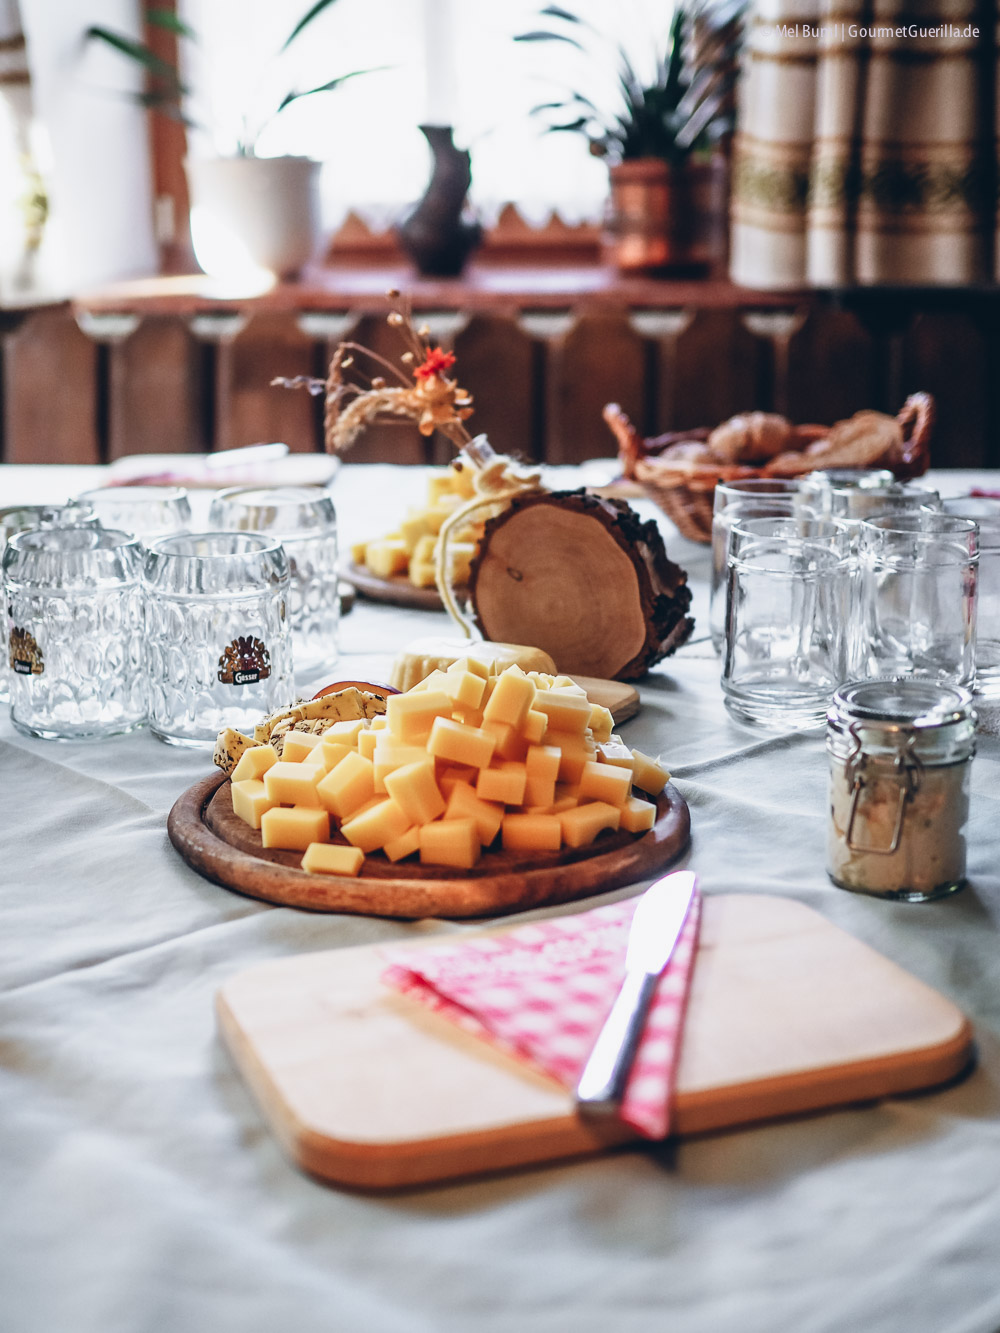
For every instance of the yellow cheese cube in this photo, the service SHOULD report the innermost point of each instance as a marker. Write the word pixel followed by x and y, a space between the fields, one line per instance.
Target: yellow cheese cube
pixel 438 487
pixel 565 710
pixel 379 723
pixel 605 782
pixel 344 733
pixel 531 833
pixel 346 788
pixel 422 574
pixel 510 744
pixel 505 782
pixel 567 683
pixel 328 858
pixel 562 803
pixel 405 845
pixel 292 784
pixel 299 745
pixel 449 774
pixel 375 826
pixel 649 774
pixel 423 551
pixel 250 800
pixel 464 688
pixel 412 715
pixel 358 552
pixel 412 529
pixel 470 717
pixel 387 557
pixel 333 752
pixel 254 763
pixel 366 743
pixel 601 722
pixel 542 679
pixel 541 764
pixel 435 681
pixel 615 751
pixel 574 750
pixel 463 803
pixel 534 726
pixel 450 843
pixel 391 754
pixel 581 825
pixel 415 788
pixel 637 816
pixel 293 828
pixel 460 744
pixel 511 697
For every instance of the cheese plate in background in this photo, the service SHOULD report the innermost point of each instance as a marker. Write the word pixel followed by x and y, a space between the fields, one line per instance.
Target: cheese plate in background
pixel 787 1014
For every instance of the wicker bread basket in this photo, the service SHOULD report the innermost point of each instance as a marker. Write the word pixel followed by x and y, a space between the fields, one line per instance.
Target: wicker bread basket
pixel 679 471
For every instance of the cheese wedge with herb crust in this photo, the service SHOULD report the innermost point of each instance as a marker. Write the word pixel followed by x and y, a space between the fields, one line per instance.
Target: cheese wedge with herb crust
pixel 312 715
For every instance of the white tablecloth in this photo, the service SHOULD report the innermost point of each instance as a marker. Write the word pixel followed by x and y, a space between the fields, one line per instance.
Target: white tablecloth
pixel 141 1193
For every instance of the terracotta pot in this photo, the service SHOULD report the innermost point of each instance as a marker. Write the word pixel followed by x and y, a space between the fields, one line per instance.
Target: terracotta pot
pixel 661 216
pixel 268 205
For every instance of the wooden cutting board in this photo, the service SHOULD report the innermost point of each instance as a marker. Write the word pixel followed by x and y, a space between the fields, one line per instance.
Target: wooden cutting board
pixel 787 1014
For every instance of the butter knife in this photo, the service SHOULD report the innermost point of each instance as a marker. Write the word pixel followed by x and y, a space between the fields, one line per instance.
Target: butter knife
pixel 656 927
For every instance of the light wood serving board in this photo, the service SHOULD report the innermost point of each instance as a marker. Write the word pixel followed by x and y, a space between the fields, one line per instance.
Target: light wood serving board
pixel 216 842
pixel 787 1014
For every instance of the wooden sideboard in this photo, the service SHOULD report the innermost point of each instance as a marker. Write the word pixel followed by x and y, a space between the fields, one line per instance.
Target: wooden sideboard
pixel 181 364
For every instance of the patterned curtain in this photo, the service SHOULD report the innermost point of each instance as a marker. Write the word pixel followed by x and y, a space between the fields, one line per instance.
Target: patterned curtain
pixel 867 150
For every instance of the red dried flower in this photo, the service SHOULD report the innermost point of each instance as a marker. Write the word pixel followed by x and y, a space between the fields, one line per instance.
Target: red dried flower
pixel 436 362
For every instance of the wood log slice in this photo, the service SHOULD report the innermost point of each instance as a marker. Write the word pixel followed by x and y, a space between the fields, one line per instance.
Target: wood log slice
pixel 585 579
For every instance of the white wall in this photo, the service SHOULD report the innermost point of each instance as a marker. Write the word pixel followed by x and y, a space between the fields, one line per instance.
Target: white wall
pixel 98 168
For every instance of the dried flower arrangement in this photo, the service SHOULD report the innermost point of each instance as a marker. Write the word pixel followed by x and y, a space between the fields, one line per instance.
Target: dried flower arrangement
pixel 433 401
pixel 430 398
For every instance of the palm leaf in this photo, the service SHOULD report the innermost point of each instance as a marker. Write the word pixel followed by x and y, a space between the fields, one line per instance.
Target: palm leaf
pixel 304 22
pixel 541 36
pixel 167 19
pixel 291 97
pixel 138 52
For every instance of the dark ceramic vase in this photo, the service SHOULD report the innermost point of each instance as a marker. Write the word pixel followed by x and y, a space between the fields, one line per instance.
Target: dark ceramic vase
pixel 434 235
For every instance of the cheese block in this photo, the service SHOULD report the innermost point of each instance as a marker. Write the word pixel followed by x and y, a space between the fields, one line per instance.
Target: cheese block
pixel 423 656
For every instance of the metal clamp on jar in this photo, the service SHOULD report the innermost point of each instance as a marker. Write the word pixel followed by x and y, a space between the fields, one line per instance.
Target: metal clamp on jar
pixel 900 759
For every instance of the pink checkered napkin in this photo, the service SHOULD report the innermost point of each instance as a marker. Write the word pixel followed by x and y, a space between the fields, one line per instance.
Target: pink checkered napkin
pixel 542 991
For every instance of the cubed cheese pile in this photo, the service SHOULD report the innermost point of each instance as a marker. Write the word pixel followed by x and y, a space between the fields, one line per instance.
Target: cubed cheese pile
pixel 412 547
pixel 461 762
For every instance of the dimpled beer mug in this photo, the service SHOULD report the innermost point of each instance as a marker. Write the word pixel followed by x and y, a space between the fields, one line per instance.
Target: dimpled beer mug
pixel 218 643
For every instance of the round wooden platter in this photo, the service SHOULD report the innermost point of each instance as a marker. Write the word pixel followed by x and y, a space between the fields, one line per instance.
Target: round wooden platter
pixel 223 848
pixel 396 591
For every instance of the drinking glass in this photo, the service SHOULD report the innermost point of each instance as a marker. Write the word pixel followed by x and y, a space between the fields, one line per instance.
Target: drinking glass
pixel 755 497
pixel 919 579
pixel 985 512
pixel 818 487
pixel 854 505
pixel 218 647
pixel 147 512
pixel 74 632
pixel 789 619
pixel 304 520
pixel 22 518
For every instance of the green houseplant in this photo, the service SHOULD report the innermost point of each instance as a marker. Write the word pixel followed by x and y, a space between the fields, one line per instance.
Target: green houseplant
pixel 660 134
pixel 266 206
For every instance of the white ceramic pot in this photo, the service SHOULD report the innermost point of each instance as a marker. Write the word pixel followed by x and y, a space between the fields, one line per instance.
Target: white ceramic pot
pixel 263 208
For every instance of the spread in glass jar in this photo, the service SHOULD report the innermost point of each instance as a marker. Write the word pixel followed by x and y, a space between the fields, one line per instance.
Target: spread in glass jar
pixel 900 758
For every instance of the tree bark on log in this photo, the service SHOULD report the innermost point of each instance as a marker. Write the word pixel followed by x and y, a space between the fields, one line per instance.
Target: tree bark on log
pixel 583 578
